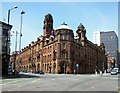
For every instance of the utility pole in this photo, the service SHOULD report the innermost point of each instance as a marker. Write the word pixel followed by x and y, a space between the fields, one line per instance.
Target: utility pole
pixel 22 12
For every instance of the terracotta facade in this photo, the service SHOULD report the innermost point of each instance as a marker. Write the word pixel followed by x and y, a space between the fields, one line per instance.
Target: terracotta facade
pixel 59 51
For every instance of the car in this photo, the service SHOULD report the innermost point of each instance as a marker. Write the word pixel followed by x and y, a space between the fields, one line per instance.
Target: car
pixel 117 69
pixel 40 72
pixel 114 72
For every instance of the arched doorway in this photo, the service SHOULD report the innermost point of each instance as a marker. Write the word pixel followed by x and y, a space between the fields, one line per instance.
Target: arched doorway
pixel 33 68
pixel 27 69
pixel 30 68
pixel 50 68
pixel 24 68
pixel 38 67
pixel 54 67
pixel 63 67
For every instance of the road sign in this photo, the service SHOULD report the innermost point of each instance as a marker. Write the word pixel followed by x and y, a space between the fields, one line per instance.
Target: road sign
pixel 77 65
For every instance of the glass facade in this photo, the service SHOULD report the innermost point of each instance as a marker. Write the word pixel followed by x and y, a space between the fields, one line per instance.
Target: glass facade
pixel 110 40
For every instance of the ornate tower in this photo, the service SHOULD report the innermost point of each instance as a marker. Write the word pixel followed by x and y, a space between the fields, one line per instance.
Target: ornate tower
pixel 48 25
pixel 102 46
pixel 81 33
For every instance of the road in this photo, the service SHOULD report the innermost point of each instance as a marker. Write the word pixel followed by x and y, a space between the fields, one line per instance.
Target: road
pixel 61 82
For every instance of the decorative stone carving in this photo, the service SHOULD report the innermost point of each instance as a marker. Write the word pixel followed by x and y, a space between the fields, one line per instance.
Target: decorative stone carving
pixel 48 18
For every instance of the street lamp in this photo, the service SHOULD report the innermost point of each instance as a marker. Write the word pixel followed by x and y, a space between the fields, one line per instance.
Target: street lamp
pixel 15 50
pixel 22 12
pixel 9 12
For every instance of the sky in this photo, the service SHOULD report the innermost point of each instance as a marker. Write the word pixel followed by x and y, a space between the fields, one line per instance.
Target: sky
pixel 95 16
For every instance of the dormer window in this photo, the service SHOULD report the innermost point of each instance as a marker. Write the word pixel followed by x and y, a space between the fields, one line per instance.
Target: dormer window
pixel 52 37
pixel 76 37
pixel 47 40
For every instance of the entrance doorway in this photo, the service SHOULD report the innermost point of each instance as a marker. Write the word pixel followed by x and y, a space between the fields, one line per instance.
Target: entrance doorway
pixel 63 68
pixel 38 67
pixel 50 69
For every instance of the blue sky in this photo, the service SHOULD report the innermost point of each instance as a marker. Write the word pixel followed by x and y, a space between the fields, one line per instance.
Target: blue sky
pixel 95 16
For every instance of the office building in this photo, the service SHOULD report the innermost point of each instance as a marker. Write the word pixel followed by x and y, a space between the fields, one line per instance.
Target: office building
pixel 59 51
pixel 110 41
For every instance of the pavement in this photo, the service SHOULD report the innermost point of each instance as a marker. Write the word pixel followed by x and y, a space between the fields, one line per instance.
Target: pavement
pixel 39 75
pixel 20 75
pixel 25 75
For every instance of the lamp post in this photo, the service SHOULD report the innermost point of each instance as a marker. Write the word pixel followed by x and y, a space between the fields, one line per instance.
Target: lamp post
pixel 15 51
pixel 9 34
pixel 22 12
pixel 9 12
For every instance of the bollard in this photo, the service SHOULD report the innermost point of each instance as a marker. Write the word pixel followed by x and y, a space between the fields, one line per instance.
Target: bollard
pixel 100 72
pixel 95 72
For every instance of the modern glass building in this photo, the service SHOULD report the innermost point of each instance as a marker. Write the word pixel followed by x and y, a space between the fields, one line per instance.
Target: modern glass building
pixel 110 40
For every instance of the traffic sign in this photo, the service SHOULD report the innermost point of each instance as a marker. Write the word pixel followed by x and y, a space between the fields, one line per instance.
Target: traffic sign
pixel 77 65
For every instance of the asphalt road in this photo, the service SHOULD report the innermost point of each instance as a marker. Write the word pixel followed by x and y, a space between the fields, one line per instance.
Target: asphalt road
pixel 57 82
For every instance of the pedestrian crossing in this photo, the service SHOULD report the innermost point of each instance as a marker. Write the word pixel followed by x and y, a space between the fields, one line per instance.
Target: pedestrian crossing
pixel 33 80
pixel 18 83
pixel 10 81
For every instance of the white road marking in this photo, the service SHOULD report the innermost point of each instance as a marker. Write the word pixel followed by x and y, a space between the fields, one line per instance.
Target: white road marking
pixel 22 85
pixel 9 83
pixel 19 86
pixel 53 79
pixel 10 90
pixel 13 82
pixel 33 81
pixel 18 80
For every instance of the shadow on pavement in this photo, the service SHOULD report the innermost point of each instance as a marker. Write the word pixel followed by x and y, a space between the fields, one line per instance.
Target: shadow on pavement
pixel 19 76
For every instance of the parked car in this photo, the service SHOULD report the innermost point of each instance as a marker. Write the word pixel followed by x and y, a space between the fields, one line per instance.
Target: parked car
pixel 40 72
pixel 114 72
pixel 117 69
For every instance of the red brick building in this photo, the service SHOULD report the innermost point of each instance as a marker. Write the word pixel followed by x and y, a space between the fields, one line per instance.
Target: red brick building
pixel 59 51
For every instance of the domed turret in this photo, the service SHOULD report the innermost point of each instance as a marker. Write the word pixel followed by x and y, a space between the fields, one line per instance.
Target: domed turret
pixel 64 26
pixel 64 32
